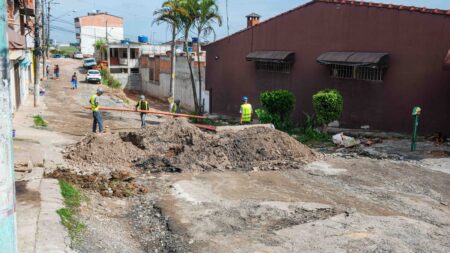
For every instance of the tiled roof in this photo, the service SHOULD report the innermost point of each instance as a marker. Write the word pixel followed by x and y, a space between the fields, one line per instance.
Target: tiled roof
pixel 388 6
pixel 423 10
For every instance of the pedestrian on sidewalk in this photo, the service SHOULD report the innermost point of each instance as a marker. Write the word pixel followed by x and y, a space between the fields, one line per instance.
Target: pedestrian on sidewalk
pixel 143 106
pixel 246 111
pixel 97 116
pixel 47 71
pixel 74 81
pixel 56 71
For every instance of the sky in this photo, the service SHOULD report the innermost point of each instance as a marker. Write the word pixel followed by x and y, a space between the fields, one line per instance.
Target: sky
pixel 138 14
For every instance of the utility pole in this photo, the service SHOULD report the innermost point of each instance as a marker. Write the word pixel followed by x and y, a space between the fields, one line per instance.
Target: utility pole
pixel 47 41
pixel 8 241
pixel 107 32
pixel 37 53
pixel 44 39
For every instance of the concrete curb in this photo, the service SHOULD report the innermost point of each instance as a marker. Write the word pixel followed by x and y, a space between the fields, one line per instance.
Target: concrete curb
pixel 51 234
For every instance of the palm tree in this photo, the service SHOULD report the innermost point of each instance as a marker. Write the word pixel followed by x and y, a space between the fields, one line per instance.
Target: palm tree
pixel 101 46
pixel 188 19
pixel 207 14
pixel 170 13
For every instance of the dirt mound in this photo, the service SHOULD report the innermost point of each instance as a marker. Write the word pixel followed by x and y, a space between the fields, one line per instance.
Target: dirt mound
pixel 119 183
pixel 176 146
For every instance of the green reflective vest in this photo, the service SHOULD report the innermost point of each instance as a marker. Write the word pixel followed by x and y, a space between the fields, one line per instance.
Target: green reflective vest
pixel 143 105
pixel 246 112
pixel 174 108
pixel 94 105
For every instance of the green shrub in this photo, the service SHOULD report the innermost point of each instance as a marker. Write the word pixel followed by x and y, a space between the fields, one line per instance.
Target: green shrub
pixel 113 83
pixel 328 105
pixel 266 117
pixel 277 107
pixel 109 80
pixel 308 134
pixel 280 102
pixel 39 121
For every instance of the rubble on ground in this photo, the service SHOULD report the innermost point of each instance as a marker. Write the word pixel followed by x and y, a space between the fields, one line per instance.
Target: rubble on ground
pixel 114 182
pixel 176 146
pixel 105 162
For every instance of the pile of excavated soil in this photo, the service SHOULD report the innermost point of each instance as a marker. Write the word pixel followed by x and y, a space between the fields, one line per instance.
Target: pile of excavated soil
pixel 114 182
pixel 176 146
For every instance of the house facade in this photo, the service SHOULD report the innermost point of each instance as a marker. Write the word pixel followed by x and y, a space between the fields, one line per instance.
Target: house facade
pixel 21 15
pixel 97 25
pixel 384 59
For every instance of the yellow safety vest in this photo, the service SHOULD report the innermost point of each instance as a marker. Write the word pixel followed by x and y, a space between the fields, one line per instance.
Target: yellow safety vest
pixel 246 110
pixel 174 108
pixel 145 104
pixel 94 106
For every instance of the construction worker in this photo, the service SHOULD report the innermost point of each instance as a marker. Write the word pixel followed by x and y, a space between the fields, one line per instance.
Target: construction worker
pixel 96 112
pixel 176 106
pixel 246 111
pixel 143 106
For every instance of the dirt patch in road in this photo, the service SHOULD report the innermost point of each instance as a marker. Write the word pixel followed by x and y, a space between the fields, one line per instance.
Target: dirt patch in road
pixel 25 195
pixel 109 163
pixel 118 182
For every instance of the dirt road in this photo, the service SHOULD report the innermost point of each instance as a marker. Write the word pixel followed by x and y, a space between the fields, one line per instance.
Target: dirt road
pixel 335 204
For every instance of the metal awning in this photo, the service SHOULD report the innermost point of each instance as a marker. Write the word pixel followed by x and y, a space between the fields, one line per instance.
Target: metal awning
pixel 16 40
pixel 354 58
pixel 272 56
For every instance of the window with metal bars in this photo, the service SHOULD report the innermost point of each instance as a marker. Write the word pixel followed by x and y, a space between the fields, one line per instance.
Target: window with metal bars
pixel 279 67
pixel 366 73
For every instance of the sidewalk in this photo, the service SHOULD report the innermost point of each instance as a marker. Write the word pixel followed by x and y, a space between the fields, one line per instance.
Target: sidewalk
pixel 37 199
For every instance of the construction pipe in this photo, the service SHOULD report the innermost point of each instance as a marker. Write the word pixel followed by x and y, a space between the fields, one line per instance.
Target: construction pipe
pixel 206 127
pixel 148 112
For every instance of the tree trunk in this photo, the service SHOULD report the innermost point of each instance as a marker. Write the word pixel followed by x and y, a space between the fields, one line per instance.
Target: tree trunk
pixel 174 61
pixel 194 92
pixel 202 108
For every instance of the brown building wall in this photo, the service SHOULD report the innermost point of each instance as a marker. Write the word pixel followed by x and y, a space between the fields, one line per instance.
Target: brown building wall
pixel 102 20
pixel 417 43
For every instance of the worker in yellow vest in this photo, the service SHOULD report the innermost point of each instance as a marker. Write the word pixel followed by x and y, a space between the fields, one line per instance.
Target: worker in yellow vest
pixel 143 106
pixel 246 111
pixel 174 105
pixel 96 111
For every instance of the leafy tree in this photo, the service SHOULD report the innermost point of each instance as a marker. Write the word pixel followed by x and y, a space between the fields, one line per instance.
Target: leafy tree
pixel 188 19
pixel 101 45
pixel 207 15
pixel 170 13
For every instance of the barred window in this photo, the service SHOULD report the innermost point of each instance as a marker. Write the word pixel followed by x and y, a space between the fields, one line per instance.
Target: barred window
pixel 367 73
pixel 279 67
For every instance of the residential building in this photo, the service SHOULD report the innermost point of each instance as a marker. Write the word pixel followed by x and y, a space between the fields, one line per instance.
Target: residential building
pixel 155 74
pixel 97 25
pixel 123 60
pixel 21 44
pixel 384 59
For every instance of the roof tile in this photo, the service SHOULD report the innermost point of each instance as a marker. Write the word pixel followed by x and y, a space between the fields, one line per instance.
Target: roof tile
pixel 387 6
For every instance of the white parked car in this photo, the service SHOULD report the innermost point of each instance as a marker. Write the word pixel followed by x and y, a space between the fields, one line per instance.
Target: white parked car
pixel 89 63
pixel 93 76
pixel 78 55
